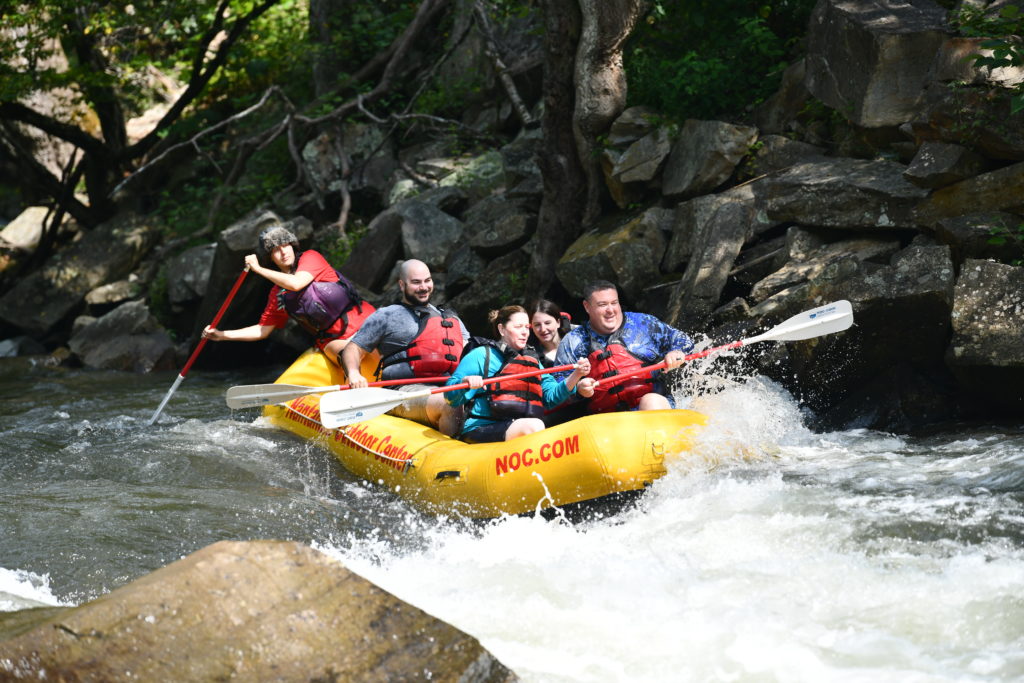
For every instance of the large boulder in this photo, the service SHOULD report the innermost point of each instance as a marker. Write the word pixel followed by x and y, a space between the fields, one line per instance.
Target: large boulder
pixel 374 255
pixel 189 274
pixel 871 60
pixel 844 193
pixel 53 295
pixel 501 283
pixel 955 63
pixel 642 160
pixel 627 255
pixel 981 119
pixel 428 233
pixel 983 235
pixel 985 353
pixel 937 164
pixel 776 152
pixel 631 125
pixel 519 157
pixel 477 176
pixel 362 157
pixel 496 225
pixel 778 113
pixel 902 324
pixel 807 267
pixel 25 231
pixel 704 156
pixel 717 243
pixel 127 338
pixel 254 611
pixel 692 215
pixel 999 190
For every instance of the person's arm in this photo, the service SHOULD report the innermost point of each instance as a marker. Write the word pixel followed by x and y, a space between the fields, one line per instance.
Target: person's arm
pixel 674 343
pixel 470 369
pixel 251 333
pixel 293 282
pixel 571 349
pixel 557 391
pixel 351 360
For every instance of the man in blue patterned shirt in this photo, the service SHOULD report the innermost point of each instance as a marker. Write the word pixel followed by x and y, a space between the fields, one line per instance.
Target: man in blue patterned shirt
pixel 617 343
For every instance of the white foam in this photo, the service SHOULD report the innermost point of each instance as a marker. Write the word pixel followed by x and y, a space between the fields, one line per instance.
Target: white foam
pixel 779 564
pixel 22 589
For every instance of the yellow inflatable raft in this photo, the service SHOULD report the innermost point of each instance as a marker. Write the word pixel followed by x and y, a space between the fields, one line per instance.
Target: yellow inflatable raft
pixel 586 459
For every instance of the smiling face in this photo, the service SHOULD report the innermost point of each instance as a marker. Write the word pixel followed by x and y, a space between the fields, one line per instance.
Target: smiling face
pixel 417 285
pixel 545 327
pixel 604 311
pixel 516 331
pixel 283 256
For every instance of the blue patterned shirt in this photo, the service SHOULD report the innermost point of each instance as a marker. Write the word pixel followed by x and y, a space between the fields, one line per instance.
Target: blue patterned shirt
pixel 645 336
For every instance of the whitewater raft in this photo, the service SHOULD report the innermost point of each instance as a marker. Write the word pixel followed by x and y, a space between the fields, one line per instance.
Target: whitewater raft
pixel 592 458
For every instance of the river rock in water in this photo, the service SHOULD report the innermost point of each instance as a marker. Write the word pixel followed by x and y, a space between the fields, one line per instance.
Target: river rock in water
pixel 258 610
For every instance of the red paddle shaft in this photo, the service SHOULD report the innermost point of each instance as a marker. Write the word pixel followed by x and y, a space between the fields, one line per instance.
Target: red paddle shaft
pixel 659 366
pixel 200 345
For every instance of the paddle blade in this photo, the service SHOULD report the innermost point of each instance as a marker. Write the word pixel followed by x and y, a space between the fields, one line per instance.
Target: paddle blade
pixel 340 408
pixel 256 395
pixel 828 319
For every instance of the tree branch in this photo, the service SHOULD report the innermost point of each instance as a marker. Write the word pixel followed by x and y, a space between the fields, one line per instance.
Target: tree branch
pixel 202 70
pixel 499 65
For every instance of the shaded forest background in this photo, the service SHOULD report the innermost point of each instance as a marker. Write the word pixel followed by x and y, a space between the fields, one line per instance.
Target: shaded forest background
pixel 233 91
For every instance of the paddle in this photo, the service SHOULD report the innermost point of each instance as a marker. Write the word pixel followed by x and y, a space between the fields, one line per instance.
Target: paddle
pixel 200 345
pixel 255 395
pixel 834 317
pixel 340 408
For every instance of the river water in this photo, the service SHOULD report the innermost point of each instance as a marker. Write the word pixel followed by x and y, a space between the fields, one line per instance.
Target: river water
pixel 843 556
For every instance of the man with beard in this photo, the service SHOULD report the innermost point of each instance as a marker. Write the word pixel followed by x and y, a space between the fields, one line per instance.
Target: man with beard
pixel 415 339
pixel 617 343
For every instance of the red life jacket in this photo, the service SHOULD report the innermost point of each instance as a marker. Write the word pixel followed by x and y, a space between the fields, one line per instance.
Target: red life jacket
pixel 613 359
pixel 434 351
pixel 514 398
pixel 353 318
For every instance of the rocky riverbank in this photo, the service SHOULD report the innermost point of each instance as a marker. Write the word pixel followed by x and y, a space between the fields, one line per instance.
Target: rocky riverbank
pixel 257 611
pixel 888 170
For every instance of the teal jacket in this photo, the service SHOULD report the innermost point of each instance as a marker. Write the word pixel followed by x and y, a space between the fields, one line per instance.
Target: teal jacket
pixel 554 390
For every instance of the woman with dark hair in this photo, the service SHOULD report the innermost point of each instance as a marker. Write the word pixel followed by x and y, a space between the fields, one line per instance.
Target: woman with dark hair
pixel 307 289
pixel 505 410
pixel 548 324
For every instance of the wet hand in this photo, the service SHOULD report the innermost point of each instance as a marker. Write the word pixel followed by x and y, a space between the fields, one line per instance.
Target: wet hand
pixel 673 359
pixel 357 382
pixel 475 381
pixel 585 387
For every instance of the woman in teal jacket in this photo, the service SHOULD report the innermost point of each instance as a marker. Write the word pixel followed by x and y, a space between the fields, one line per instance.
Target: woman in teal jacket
pixel 505 410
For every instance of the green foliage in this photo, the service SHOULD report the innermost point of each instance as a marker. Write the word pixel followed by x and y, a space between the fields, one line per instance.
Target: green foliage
pixel 449 98
pixel 1002 234
pixel 185 207
pixel 359 30
pixel 335 247
pixel 705 58
pixel 275 53
pixel 1003 31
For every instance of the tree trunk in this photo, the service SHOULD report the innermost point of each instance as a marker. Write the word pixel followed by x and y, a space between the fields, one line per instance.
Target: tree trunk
pixel 565 184
pixel 325 19
pixel 584 91
pixel 600 84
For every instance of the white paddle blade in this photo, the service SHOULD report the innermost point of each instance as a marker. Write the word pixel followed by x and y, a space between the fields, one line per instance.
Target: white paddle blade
pixel 340 408
pixel 256 395
pixel 828 319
